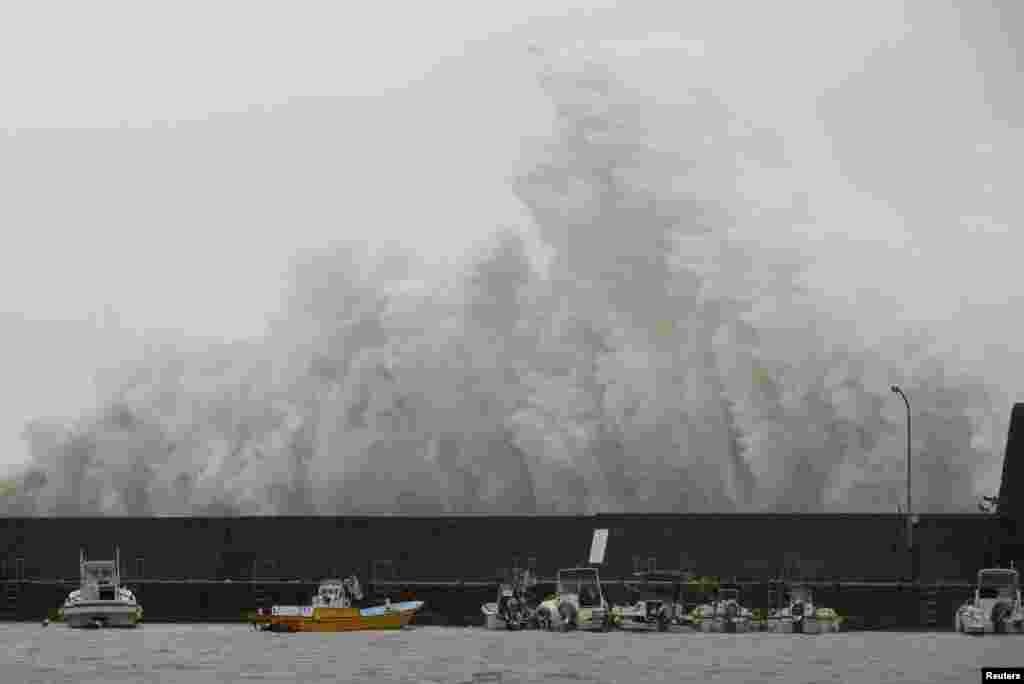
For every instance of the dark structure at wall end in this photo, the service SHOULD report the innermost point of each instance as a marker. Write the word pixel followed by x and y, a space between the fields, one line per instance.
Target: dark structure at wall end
pixel 1010 502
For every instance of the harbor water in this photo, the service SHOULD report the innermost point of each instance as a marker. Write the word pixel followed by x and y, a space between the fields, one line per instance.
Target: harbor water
pixel 234 653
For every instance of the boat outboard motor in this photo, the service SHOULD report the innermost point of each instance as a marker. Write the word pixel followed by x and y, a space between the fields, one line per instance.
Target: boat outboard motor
pixel 511 613
pixel 798 617
pixel 1000 612
pixel 662 618
pixel 567 612
pixel 505 606
pixel 731 611
pixel 544 619
pixel 354 590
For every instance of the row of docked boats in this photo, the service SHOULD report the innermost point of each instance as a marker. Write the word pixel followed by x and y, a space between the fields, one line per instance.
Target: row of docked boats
pixel 704 605
pixel 579 602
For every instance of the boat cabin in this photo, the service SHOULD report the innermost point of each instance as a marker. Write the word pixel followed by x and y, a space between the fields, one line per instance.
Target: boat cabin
pixel 99 579
pixel 332 594
pixel 585 583
pixel 337 593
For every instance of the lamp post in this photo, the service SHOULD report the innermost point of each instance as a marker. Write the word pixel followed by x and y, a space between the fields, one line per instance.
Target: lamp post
pixel 910 517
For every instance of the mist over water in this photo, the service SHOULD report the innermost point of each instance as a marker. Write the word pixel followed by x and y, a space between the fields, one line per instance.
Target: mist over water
pixel 634 349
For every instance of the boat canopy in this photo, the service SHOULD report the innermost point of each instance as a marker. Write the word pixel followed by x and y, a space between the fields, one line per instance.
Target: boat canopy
pixel 338 592
pixel 583 582
pixel 998 577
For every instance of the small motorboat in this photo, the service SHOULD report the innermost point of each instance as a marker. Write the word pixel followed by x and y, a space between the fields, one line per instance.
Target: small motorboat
pixel 724 614
pixel 100 601
pixel 512 610
pixel 578 603
pixel 332 610
pixel 996 606
pixel 646 614
pixel 651 610
pixel 802 616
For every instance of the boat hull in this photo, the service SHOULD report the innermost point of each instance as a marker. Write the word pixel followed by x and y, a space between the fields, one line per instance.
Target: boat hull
pixel 811 625
pixel 96 614
pixel 339 619
pixel 493 618
pixel 989 627
pixel 587 619
pixel 673 626
pixel 725 625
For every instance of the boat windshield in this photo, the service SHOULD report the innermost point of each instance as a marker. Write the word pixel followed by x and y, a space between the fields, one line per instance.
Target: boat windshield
pixel 99 573
pixel 583 583
pixel 331 592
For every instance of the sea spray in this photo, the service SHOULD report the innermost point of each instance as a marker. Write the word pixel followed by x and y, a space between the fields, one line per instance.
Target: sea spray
pixel 656 360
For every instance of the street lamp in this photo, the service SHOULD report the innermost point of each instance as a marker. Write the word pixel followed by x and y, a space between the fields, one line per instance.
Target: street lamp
pixel 910 524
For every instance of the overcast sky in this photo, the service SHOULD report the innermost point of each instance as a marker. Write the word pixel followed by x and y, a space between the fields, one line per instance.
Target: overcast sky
pixel 164 162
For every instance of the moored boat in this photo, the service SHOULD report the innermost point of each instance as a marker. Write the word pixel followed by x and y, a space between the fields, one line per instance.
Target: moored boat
pixel 332 610
pixel 651 609
pixel 802 616
pixel 996 607
pixel 100 600
pixel 512 610
pixel 578 602
pixel 724 614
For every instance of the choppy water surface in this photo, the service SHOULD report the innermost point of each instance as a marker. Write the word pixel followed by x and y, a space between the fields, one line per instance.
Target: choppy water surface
pixel 234 653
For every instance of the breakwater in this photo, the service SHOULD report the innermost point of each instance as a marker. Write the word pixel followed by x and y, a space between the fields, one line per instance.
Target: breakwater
pixel 390 548
pixel 216 569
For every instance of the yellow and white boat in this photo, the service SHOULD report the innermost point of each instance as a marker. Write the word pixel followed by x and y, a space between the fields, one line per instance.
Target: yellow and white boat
pixel 332 611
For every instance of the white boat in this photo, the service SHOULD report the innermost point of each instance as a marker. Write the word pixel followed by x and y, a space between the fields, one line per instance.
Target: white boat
pixel 578 602
pixel 725 614
pixel 653 611
pixel 996 606
pixel 801 616
pixel 647 614
pixel 101 601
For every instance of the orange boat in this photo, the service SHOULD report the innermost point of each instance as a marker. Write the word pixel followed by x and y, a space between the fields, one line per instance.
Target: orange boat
pixel 332 611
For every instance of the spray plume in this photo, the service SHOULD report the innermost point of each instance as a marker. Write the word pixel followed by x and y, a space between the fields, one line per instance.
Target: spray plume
pixel 656 361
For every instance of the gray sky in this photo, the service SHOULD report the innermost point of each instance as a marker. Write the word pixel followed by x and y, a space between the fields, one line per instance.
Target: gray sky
pixel 165 162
